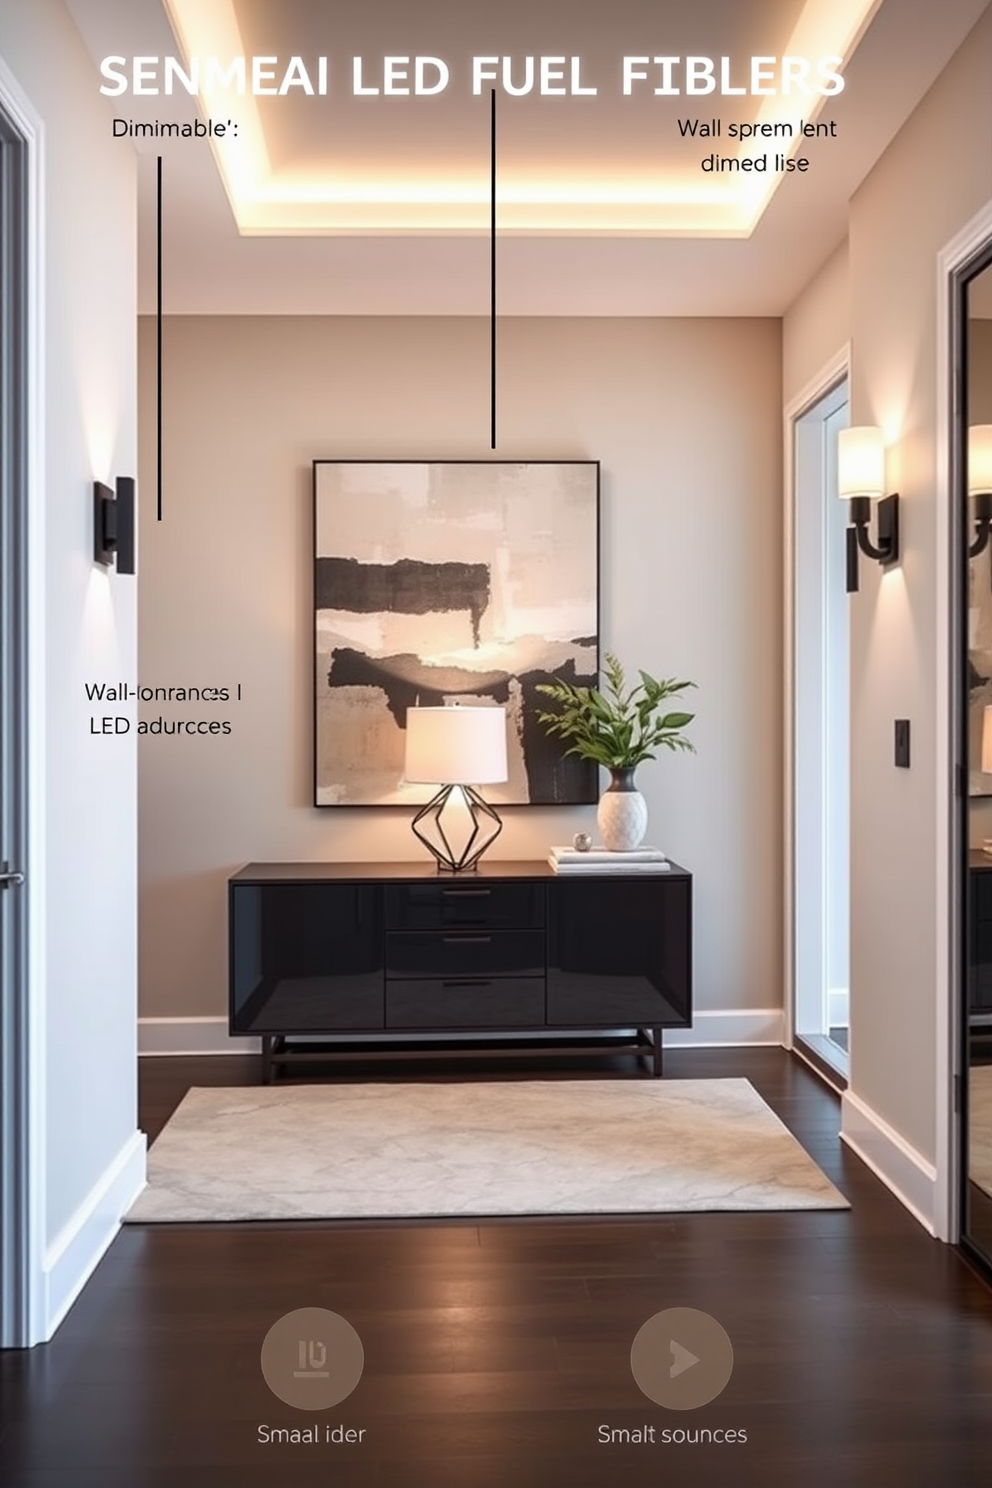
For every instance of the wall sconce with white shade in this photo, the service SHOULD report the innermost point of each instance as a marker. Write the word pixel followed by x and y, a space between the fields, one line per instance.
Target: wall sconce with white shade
pixel 456 748
pixel 980 484
pixel 861 480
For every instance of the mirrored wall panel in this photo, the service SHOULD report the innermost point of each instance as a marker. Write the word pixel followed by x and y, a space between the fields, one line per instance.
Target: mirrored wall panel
pixel 975 460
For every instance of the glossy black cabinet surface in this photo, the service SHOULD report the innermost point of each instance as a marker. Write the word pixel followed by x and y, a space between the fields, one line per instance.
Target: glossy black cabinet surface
pixel 306 955
pixel 619 951
pixel 379 951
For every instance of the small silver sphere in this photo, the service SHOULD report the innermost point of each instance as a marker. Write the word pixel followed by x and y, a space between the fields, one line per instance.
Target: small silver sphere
pixel 582 842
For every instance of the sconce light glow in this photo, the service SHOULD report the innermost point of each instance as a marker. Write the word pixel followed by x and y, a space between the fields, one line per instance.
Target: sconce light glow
pixel 860 479
pixel 980 460
pixel 860 462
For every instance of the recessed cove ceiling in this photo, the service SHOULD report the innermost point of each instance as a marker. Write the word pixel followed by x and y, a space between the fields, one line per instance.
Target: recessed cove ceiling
pixel 611 120
pixel 709 173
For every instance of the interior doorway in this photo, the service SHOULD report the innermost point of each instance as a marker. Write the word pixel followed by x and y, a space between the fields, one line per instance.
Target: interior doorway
pixel 821 738
pixel 16 1185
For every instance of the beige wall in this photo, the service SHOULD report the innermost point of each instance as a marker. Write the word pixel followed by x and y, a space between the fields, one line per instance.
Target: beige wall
pixel 684 416
pixel 930 182
pixel 933 178
pixel 817 325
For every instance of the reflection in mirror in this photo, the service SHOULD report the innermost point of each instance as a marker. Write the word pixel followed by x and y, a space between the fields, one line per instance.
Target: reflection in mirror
pixel 977 1216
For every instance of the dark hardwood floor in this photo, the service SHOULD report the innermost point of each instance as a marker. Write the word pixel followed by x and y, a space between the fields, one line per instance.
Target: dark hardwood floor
pixel 494 1352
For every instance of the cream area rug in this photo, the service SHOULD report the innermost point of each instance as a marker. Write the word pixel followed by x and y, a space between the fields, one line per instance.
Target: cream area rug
pixel 532 1147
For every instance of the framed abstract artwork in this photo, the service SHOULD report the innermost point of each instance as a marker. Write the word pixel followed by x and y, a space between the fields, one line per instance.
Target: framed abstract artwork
pixel 450 581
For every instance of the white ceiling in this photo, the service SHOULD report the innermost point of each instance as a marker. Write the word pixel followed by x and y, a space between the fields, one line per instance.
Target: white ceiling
pixel 212 268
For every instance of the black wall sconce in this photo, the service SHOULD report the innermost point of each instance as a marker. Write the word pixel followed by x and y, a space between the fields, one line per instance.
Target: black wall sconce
pixel 861 480
pixel 980 484
pixel 113 524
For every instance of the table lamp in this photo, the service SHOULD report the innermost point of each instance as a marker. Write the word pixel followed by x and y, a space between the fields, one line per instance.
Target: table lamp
pixel 456 748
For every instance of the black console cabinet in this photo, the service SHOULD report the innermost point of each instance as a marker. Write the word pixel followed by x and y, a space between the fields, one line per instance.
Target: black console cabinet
pixel 979 937
pixel 379 951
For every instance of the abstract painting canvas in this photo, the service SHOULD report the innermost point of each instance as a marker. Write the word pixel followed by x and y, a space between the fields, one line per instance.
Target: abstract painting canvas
pixel 450 581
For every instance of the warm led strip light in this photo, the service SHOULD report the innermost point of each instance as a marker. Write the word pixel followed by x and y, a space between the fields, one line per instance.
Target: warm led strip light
pixel 287 204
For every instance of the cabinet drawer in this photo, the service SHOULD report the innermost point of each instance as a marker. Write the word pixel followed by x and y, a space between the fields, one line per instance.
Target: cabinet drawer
pixel 420 953
pixel 466 1002
pixel 442 904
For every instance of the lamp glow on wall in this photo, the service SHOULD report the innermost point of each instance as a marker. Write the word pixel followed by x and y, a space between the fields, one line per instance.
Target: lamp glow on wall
pixel 980 484
pixel 861 480
pixel 456 748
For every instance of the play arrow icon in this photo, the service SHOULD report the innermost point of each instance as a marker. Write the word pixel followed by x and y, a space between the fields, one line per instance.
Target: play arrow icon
pixel 681 1360
pixel 673 1375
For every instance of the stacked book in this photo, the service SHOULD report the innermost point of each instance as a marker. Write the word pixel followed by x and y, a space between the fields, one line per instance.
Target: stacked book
pixel 599 860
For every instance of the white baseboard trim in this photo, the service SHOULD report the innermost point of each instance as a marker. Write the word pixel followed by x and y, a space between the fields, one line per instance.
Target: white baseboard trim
pixel 710 1030
pixel 910 1176
pixel 76 1251
pixel 191 1036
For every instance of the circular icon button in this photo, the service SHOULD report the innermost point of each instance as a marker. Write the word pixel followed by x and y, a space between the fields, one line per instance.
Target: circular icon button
pixel 682 1358
pixel 312 1358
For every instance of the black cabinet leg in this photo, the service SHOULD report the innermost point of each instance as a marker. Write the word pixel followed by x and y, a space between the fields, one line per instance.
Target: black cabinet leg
pixel 266 1059
pixel 656 1037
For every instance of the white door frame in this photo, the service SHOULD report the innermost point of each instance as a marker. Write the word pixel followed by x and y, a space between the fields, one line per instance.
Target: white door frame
pixel 23 1311
pixel 836 370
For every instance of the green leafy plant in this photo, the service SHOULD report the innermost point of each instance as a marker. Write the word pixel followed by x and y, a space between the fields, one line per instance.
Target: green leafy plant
pixel 618 727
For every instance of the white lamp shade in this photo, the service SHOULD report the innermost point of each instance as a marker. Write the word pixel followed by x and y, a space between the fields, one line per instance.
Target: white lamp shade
pixel 455 746
pixel 979 459
pixel 860 462
pixel 987 741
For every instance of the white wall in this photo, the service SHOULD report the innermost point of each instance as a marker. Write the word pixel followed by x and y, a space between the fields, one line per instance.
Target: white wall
pixel 683 414
pixel 82 874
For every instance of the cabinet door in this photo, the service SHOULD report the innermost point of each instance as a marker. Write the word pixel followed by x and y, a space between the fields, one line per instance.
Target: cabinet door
pixel 620 951
pixel 306 958
pixel 980 938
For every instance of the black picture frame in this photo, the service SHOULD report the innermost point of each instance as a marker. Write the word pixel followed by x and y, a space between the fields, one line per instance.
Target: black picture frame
pixel 439 580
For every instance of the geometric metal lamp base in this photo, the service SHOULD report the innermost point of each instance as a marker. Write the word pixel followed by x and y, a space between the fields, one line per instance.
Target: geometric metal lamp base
pixel 457 812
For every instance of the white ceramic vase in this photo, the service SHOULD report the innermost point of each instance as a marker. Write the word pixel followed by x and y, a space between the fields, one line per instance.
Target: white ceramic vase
pixel 622 814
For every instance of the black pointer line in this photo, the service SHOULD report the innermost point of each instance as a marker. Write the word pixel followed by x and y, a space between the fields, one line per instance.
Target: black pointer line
pixel 158 333
pixel 492 272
